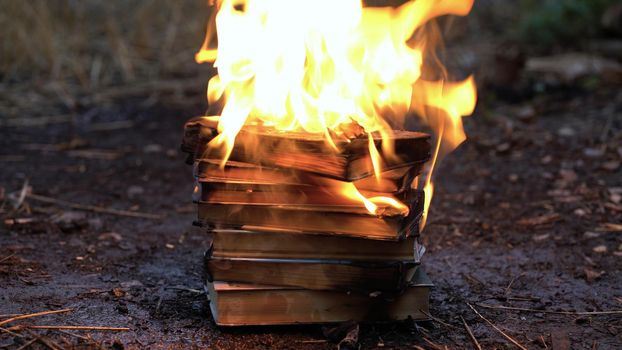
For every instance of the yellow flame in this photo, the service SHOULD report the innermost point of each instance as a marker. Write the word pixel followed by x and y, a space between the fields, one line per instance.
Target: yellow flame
pixel 314 65
pixel 348 190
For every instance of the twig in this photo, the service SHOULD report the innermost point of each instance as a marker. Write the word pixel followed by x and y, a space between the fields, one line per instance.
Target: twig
pixel 572 313
pixel 94 208
pixel 186 289
pixel 22 196
pixel 3 260
pixel 471 335
pixel 438 320
pixel 21 317
pixel 433 344
pixel 48 343
pixel 314 341
pixel 10 332
pixel 37 121
pixel 74 335
pixel 497 328
pixel 543 342
pixel 507 289
pixel 28 343
pixel 79 328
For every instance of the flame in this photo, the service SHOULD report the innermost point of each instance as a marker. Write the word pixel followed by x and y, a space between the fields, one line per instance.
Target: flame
pixel 315 65
pixel 348 190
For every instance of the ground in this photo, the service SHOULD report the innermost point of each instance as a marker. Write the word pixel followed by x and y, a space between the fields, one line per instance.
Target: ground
pixel 527 214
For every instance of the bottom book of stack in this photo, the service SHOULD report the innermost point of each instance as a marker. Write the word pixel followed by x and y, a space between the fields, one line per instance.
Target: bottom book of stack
pixel 239 304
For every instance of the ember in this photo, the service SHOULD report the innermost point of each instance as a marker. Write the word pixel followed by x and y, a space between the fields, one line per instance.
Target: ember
pixel 304 178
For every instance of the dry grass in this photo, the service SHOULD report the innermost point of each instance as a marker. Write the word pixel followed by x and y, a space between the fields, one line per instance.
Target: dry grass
pixel 98 42
pixel 79 47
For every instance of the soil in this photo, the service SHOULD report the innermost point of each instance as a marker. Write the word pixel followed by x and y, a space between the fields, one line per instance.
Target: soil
pixel 526 214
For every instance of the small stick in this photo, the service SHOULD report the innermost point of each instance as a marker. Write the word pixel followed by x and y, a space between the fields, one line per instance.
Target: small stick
pixel 572 313
pixel 314 341
pixel 10 332
pixel 507 289
pixel 74 335
pixel 471 335
pixel 94 208
pixel 497 328
pixel 21 317
pixel 3 260
pixel 433 345
pixel 81 328
pixel 438 320
pixel 544 342
pixel 48 343
pixel 28 343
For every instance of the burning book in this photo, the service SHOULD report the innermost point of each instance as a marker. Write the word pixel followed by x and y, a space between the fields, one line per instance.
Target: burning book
pixel 310 188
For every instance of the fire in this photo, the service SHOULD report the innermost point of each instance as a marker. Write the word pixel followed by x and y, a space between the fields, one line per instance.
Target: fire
pixel 315 66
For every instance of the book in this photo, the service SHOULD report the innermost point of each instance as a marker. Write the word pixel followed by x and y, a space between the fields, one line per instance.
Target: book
pixel 235 304
pixel 274 244
pixel 250 177
pixel 320 274
pixel 320 198
pixel 306 151
pixel 342 220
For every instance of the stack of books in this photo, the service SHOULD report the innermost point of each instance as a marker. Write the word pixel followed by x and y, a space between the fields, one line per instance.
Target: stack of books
pixel 293 242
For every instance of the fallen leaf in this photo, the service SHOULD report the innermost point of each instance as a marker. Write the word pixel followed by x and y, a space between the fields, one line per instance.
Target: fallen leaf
pixel 592 275
pixel 118 292
pixel 600 249
pixel 540 220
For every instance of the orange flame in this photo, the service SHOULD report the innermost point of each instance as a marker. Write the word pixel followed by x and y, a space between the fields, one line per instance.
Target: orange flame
pixel 315 65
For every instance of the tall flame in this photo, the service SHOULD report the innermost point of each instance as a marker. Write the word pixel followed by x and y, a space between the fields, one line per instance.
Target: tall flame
pixel 316 65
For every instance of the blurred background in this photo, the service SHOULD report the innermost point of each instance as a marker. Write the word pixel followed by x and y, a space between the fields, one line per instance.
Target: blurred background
pixel 62 55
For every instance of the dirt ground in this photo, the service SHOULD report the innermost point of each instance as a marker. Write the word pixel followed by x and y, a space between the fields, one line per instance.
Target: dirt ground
pixel 526 215
pixel 525 227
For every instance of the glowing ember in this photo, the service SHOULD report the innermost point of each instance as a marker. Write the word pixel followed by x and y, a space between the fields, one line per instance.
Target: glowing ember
pixel 314 66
